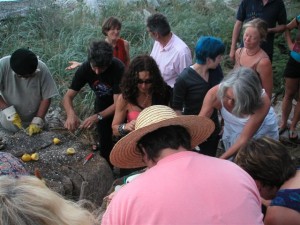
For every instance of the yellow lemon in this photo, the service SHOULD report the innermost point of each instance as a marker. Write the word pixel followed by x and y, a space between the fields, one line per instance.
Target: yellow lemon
pixel 35 156
pixel 26 157
pixel 56 141
pixel 71 151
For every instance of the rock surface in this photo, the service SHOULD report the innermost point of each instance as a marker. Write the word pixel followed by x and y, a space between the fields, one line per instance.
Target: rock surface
pixel 63 173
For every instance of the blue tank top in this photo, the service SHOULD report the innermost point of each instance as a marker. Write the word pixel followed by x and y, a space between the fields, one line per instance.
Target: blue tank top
pixel 289 198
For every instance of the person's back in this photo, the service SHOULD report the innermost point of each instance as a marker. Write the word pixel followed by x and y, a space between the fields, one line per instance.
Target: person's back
pixel 188 188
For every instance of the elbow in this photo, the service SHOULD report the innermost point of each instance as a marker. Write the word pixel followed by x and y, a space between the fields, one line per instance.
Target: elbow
pixel 115 130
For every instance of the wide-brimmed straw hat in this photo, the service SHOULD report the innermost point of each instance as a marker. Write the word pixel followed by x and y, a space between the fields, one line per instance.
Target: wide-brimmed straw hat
pixel 125 153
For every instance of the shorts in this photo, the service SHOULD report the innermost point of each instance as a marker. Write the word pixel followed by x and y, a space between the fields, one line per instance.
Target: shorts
pixel 292 69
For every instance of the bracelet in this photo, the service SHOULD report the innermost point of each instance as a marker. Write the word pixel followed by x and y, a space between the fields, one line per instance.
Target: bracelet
pixel 122 130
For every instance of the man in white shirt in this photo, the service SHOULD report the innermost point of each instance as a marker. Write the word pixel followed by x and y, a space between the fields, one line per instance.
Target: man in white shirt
pixel 170 53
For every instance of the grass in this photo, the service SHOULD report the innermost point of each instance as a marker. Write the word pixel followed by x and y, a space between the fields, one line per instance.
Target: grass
pixel 60 34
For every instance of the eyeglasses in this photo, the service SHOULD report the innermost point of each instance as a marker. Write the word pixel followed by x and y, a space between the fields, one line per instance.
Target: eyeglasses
pixel 148 81
pixel 229 98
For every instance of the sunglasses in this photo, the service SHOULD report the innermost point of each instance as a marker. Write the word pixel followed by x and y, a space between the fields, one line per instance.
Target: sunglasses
pixel 148 81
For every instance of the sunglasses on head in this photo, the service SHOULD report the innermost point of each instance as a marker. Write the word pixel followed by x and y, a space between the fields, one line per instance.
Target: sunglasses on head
pixel 148 81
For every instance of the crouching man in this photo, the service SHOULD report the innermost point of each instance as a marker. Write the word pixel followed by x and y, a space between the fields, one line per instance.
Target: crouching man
pixel 26 87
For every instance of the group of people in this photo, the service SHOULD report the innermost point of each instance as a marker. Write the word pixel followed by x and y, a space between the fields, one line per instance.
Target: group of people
pixel 165 110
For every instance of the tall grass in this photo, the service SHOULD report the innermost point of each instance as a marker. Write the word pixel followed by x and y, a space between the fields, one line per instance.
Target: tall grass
pixel 60 34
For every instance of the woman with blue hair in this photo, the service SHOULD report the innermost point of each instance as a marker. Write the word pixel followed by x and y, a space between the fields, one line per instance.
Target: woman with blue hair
pixel 195 81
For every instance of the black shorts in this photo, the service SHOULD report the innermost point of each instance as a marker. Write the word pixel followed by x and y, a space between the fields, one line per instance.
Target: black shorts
pixel 292 69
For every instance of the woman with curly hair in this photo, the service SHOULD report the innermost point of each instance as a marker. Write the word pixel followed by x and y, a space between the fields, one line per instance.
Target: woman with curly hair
pixel 142 86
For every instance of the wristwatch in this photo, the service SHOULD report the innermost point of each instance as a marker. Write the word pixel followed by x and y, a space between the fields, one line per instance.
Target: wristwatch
pixel 99 116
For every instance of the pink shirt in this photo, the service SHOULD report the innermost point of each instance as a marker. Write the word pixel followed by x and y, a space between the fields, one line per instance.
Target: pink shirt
pixel 187 188
pixel 172 58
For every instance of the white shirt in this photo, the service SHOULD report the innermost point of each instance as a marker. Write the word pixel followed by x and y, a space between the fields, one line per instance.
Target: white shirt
pixel 172 58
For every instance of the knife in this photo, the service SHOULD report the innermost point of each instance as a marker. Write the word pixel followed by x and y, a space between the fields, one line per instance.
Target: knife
pixel 88 157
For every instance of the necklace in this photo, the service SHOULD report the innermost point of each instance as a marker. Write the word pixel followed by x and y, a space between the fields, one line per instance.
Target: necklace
pixel 145 102
pixel 248 54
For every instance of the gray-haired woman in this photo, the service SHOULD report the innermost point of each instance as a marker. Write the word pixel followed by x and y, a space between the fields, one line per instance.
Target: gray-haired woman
pixel 245 108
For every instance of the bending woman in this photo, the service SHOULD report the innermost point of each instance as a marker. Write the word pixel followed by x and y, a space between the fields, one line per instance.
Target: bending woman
pixel 245 108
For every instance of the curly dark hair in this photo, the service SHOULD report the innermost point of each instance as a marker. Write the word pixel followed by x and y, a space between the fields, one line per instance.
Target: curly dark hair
pixel 129 85
pixel 100 53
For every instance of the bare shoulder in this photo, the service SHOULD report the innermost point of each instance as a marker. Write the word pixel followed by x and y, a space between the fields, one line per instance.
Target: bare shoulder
pixel 212 96
pixel 126 43
pixel 281 215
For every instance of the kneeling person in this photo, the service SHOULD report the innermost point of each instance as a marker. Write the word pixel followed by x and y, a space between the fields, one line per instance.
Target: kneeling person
pixel 26 87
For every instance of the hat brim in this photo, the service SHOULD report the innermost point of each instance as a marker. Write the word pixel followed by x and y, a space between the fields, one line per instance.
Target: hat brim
pixel 126 155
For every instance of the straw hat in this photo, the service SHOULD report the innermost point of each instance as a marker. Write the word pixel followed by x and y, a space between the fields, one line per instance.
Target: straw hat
pixel 125 153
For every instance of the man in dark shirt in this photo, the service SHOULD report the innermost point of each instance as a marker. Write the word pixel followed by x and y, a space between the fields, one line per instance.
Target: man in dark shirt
pixel 102 72
pixel 271 11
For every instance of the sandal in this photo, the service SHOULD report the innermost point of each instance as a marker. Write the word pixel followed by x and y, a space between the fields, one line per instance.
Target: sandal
pixel 282 130
pixel 293 135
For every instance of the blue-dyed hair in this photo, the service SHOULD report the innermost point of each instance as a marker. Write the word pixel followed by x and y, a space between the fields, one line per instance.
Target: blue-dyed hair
pixel 208 47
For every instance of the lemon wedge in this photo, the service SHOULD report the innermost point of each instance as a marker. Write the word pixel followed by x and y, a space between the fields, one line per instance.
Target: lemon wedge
pixel 56 141
pixel 71 151
pixel 26 157
pixel 35 156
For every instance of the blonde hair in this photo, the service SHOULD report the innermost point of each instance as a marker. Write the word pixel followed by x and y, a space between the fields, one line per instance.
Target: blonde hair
pixel 28 201
pixel 260 25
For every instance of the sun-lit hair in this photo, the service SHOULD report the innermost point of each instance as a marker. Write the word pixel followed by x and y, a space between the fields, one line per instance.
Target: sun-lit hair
pixel 260 25
pixel 27 201
pixel 129 85
pixel 111 23
pixel 267 161
pixel 208 47
pixel 247 90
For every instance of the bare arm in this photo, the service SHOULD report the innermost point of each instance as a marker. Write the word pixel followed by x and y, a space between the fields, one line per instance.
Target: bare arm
pixel 73 65
pixel 210 102
pixel 280 215
pixel 120 116
pixel 288 39
pixel 43 108
pixel 277 29
pixel 109 111
pixel 250 128
pixel 126 45
pixel 72 122
pixel 264 68
pixel 235 36
pixel 293 24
